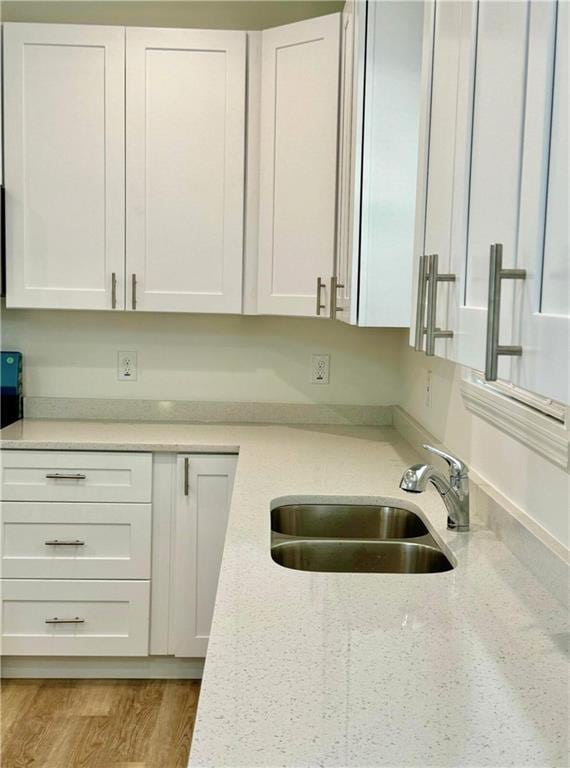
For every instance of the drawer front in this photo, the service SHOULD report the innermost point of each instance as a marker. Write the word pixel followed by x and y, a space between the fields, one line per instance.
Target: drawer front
pixel 76 476
pixel 75 618
pixel 75 541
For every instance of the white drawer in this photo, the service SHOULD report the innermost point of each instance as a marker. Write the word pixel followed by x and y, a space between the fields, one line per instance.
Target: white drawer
pixel 76 476
pixel 75 541
pixel 75 618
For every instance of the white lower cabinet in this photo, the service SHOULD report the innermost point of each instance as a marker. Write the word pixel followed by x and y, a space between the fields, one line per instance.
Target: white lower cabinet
pixel 203 493
pixel 111 578
pixel 75 618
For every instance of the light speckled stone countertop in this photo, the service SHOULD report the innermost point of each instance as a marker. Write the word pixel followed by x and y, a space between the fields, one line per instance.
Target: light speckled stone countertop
pixel 465 668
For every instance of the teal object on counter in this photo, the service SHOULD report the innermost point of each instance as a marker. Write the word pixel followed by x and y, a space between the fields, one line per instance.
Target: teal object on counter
pixel 11 387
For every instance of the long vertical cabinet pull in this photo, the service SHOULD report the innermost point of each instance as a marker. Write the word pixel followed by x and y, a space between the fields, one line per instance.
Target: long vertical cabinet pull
pixel 320 287
pixel 186 476
pixel 335 288
pixel 421 304
pixel 496 275
pixel 433 333
pixel 133 291
pixel 113 290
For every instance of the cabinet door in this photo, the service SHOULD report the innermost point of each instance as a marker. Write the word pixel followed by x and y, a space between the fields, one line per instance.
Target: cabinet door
pixel 353 41
pixel 494 189
pixel 389 167
pixel 443 168
pixel 541 322
pixel 64 173
pixel 204 489
pixel 185 169
pixel 299 116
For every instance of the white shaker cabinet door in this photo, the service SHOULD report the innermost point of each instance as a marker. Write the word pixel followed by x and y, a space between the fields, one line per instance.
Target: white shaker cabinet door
pixel 494 190
pixel 185 140
pixel 542 324
pixel 299 126
pixel 64 165
pixel 443 172
pixel 203 495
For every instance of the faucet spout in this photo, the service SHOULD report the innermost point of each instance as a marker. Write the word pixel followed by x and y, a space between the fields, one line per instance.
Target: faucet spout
pixel 454 491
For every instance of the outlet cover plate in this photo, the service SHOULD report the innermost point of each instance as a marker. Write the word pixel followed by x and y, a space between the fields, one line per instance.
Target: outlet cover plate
pixel 127 365
pixel 320 369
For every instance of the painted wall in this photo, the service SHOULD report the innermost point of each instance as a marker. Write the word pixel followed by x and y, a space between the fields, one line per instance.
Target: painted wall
pixel 530 481
pixel 212 14
pixel 202 357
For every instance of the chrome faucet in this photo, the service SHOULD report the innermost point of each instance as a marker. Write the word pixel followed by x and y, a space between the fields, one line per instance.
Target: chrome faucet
pixel 453 491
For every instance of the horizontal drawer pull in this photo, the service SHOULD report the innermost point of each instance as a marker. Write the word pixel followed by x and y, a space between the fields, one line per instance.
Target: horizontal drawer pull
pixel 56 620
pixel 65 476
pixel 62 543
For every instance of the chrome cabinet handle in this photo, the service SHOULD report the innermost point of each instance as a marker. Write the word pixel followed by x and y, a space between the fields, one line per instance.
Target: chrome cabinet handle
pixel 320 287
pixel 421 303
pixel 186 476
pixel 335 286
pixel 65 476
pixel 56 620
pixel 113 290
pixel 433 333
pixel 134 291
pixel 493 349
pixel 62 543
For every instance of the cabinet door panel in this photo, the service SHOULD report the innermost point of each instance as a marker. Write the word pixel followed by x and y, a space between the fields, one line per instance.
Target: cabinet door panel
pixel 204 489
pixel 389 168
pixel 348 217
pixel 446 133
pixel 494 190
pixel 64 151
pixel 542 322
pixel 299 114
pixel 185 168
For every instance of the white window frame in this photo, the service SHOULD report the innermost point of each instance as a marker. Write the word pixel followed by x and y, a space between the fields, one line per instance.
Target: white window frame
pixel 537 422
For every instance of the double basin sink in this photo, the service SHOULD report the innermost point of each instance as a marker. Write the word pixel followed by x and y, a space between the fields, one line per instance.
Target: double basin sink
pixel 354 538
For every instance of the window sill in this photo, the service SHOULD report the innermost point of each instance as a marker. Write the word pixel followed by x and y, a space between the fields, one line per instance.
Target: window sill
pixel 539 432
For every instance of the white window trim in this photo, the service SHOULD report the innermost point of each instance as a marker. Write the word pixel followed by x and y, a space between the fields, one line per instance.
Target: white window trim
pixel 534 422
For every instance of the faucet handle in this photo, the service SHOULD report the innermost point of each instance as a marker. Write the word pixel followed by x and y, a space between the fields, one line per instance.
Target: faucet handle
pixel 457 468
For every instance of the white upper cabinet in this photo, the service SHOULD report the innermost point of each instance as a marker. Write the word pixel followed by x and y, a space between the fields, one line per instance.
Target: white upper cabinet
pixel 298 161
pixel 185 144
pixel 64 165
pixel 379 132
pixel 443 167
pixel 497 143
pixel 541 322
pixel 497 175
pixel 351 118
pixel 389 166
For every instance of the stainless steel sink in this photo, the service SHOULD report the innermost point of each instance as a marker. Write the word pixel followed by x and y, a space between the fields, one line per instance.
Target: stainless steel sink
pixel 347 521
pixel 354 538
pixel 359 556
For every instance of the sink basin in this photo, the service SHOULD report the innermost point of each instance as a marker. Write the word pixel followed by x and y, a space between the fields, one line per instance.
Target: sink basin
pixel 360 556
pixel 347 521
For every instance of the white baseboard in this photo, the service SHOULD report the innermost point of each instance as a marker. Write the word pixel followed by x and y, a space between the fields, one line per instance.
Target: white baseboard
pixel 540 552
pixel 151 667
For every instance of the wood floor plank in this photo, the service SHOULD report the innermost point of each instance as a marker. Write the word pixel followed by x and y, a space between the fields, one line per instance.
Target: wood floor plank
pixel 15 697
pixel 97 723
pixel 173 733
pixel 34 733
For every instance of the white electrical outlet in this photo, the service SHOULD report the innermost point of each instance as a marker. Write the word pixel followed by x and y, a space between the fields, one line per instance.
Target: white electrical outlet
pixel 127 366
pixel 320 369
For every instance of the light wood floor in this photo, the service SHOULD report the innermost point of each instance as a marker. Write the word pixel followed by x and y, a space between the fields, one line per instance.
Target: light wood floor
pixel 97 723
